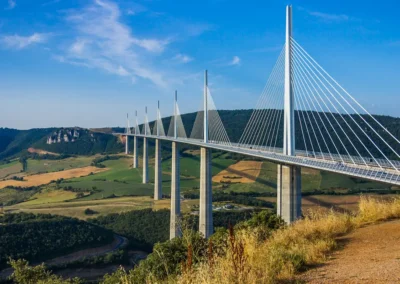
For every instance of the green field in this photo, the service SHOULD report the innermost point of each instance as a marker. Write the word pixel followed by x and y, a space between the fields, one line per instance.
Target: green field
pixel 43 166
pixel 121 180
pixel 13 167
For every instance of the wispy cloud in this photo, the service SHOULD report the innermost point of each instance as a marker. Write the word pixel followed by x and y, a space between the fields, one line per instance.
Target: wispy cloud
pixel 182 58
pixel 197 29
pixel 103 41
pixel 20 42
pixel 235 61
pixel 11 4
pixel 328 17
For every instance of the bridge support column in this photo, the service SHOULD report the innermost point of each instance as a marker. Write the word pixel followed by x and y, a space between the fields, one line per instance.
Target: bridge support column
pixel 289 193
pixel 135 156
pixel 175 226
pixel 206 219
pixel 158 173
pixel 126 144
pixel 145 161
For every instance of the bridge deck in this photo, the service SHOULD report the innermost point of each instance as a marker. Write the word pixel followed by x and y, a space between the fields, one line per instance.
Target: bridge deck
pixel 319 161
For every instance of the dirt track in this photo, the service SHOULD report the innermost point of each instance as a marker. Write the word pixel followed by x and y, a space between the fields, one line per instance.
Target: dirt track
pixel 368 255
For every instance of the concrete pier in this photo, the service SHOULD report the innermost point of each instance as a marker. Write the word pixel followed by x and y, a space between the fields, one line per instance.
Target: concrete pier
pixel 206 219
pixel 145 161
pixel 135 155
pixel 175 225
pixel 158 172
pixel 289 193
pixel 126 144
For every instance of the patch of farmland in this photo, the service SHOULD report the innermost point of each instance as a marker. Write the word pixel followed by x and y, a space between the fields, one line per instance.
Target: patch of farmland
pixel 40 179
pixel 241 172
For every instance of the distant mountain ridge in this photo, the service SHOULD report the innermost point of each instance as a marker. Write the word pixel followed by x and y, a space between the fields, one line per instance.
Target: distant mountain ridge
pixel 99 140
pixel 70 140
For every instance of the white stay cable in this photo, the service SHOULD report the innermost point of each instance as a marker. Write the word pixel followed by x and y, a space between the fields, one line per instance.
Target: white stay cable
pixel 296 44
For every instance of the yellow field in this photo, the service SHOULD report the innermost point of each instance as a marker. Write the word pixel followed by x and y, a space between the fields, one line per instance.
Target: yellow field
pixel 102 207
pixel 40 179
pixel 241 172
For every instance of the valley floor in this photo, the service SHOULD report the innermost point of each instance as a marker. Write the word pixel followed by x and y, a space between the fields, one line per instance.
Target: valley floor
pixel 368 255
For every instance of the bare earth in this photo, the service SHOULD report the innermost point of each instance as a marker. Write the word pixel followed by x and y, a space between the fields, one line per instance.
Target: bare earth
pixel 39 179
pixel 243 172
pixel 369 255
pixel 41 152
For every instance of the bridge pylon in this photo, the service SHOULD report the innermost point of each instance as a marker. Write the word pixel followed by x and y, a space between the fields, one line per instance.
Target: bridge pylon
pixel 157 165
pixel 289 176
pixel 175 226
pixel 135 144
pixel 145 153
pixel 206 218
pixel 127 137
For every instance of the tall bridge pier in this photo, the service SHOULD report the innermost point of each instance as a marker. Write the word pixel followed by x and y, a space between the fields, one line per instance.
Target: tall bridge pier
pixel 206 219
pixel 135 145
pixel 127 137
pixel 135 156
pixel 289 176
pixel 175 225
pixel 157 166
pixel 145 155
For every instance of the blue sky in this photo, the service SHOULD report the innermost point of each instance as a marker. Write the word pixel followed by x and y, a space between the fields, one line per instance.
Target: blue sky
pixel 89 62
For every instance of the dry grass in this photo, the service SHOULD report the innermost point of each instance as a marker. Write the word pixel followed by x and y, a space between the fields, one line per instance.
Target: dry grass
pixel 41 152
pixel 40 179
pixel 280 257
pixel 242 172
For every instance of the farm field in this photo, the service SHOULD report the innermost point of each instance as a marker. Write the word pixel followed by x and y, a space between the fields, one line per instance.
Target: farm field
pixel 240 172
pixel 11 168
pixel 40 179
pixel 43 166
pixel 76 208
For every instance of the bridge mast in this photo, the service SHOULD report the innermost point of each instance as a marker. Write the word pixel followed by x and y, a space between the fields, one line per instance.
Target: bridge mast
pixel 157 162
pixel 135 156
pixel 175 229
pixel 288 138
pixel 127 137
pixel 145 152
pixel 205 219
pixel 289 177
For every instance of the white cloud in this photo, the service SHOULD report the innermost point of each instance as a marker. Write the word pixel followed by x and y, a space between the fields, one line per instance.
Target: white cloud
pixel 182 58
pixel 104 42
pixel 235 61
pixel 330 17
pixel 20 42
pixel 78 46
pixel 11 4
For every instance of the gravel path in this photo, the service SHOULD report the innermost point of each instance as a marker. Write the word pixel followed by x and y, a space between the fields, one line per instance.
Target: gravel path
pixel 368 255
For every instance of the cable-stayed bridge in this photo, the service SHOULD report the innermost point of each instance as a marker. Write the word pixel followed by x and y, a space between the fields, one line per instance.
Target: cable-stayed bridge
pixel 303 118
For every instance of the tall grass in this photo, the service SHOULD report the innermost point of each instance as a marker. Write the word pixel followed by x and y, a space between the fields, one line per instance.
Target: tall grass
pixel 288 250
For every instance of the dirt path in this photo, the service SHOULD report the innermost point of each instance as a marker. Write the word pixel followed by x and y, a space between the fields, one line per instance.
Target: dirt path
pixel 368 255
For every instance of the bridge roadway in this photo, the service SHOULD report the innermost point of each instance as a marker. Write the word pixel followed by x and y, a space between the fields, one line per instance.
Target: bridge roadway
pixel 331 163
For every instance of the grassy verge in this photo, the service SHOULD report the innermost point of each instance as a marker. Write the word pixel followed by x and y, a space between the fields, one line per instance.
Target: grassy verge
pixel 288 250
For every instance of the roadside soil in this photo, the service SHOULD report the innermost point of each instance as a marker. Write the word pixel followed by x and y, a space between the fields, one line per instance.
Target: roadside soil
pixel 368 255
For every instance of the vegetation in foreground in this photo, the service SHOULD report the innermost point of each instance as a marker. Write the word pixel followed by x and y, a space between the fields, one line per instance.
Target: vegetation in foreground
pixel 42 236
pixel 260 250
